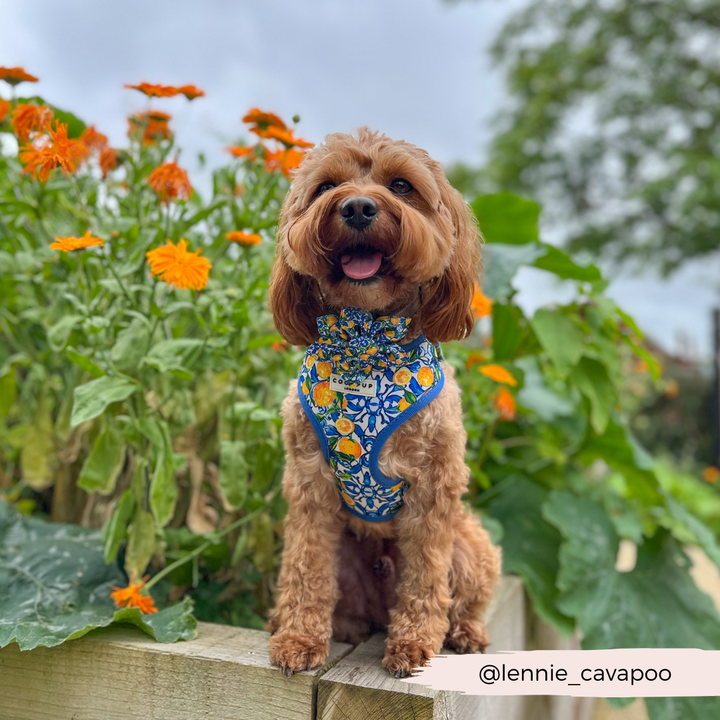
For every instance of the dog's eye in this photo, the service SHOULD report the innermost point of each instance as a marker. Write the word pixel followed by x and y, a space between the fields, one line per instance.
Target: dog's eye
pixel 324 188
pixel 400 186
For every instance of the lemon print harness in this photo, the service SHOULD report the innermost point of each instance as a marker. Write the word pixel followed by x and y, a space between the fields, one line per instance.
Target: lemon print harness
pixel 357 385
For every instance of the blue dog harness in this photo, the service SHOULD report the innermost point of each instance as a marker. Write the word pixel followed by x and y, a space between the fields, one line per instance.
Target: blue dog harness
pixel 357 385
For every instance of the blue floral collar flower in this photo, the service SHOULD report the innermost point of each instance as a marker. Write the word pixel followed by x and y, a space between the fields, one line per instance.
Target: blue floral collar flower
pixel 355 343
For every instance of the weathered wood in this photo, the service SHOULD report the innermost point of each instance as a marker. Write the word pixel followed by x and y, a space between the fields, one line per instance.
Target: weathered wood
pixel 121 674
pixel 359 688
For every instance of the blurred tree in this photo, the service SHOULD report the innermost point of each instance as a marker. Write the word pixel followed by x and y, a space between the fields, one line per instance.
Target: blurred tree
pixel 614 124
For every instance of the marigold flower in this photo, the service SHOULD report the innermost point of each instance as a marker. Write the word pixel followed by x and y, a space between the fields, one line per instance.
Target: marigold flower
pixel 131 596
pixel 31 118
pixel 93 139
pixel 59 151
pixel 239 151
pixel 16 75
pixel 66 244
pixel 711 474
pixel 474 357
pixel 280 345
pixel 283 160
pixel 170 182
pixel 286 137
pixel 244 238
pixel 4 109
pixel 150 127
pixel 108 160
pixel 505 404
pixel 481 304
pixel 177 266
pixel 499 374
pixel 263 119
pixel 154 90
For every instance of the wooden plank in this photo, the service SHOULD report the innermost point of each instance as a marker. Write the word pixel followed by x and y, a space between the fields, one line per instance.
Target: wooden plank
pixel 121 674
pixel 359 688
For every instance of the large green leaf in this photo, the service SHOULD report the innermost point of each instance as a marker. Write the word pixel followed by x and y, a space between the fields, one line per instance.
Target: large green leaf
pixel 169 355
pixel 56 586
pixel 530 545
pixel 507 333
pixel 501 262
pixel 104 463
pixel 656 605
pixel 130 346
pixel 92 398
pixel 163 485
pixel 561 264
pixel 560 336
pixel 506 218
pixel 591 378
pixel 233 471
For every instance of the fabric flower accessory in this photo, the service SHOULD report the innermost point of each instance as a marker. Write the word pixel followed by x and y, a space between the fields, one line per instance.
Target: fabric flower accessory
pixel 356 343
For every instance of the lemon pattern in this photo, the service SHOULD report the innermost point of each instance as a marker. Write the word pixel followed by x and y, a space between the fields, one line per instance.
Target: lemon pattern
pixel 353 428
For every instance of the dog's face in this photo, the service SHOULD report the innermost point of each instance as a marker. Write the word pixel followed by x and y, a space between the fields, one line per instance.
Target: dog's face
pixel 373 223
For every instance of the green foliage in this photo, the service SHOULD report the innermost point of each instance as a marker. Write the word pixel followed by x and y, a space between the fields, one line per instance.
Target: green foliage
pixel 612 124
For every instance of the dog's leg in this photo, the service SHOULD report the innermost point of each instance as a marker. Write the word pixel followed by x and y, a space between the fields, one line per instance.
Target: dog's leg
pixel 473 576
pixel 302 618
pixel 425 532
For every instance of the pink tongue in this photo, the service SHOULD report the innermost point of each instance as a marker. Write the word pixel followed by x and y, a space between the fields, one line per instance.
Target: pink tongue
pixel 359 267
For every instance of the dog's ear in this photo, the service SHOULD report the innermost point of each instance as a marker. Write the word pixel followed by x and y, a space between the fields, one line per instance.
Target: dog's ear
pixel 446 311
pixel 294 302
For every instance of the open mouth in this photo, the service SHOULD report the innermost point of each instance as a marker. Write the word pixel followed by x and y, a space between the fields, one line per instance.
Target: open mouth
pixel 361 263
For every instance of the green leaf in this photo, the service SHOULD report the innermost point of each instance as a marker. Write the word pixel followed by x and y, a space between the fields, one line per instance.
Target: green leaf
pixel 656 605
pixel 85 363
pixel 591 378
pixel 168 356
pixel 702 534
pixel 561 264
pixel 116 529
pixel 92 398
pixel 501 262
pixel 104 463
pixel 38 454
pixel 130 346
pixel 530 545
pixel 233 471
pixel 506 218
pixel 560 337
pixel 56 586
pixel 535 396
pixel 507 334
pixel 264 341
pixel 163 485
pixel 141 543
pixel 59 333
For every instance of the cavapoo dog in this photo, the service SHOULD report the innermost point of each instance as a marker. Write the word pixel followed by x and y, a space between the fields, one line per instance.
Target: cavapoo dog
pixel 376 265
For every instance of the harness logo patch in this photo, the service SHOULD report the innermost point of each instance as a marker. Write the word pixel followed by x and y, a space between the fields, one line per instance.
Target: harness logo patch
pixel 367 387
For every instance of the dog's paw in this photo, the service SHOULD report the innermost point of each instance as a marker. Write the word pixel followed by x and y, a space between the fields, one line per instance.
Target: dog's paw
pixel 468 636
pixel 403 656
pixel 294 651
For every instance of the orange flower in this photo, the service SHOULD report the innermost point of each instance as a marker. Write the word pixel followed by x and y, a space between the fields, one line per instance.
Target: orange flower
pixel 481 304
pixel 66 244
pixel 93 139
pixel 4 109
pixel 131 597
pixel 151 127
pixel 286 137
pixel 240 151
pixel 58 152
pixel 263 119
pixel 711 474
pixel 170 182
pixel 108 160
pixel 177 266
pixel 280 345
pixel 191 92
pixel 244 238
pixel 283 160
pixel 474 357
pixel 155 90
pixel 505 404
pixel 16 75
pixel 31 118
pixel 499 374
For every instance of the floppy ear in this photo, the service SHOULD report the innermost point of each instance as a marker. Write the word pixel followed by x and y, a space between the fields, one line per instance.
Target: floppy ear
pixel 446 310
pixel 294 302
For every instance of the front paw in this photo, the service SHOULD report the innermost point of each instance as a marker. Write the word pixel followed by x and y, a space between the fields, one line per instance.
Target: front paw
pixel 403 656
pixel 294 651
pixel 467 636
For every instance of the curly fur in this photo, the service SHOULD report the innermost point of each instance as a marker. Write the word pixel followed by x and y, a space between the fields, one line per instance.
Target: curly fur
pixel 429 573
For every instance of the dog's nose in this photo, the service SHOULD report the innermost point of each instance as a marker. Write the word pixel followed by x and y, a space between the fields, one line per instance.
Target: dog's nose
pixel 359 212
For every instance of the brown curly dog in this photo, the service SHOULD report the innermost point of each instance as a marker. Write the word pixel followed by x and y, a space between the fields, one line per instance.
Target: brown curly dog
pixel 385 209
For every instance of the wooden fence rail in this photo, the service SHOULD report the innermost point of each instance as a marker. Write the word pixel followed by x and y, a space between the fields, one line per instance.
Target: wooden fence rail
pixel 120 674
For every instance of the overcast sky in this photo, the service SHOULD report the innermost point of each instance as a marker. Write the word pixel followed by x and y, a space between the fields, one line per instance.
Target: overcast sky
pixel 415 69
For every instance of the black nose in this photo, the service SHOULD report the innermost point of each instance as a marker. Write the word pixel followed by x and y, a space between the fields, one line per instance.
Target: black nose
pixel 359 212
